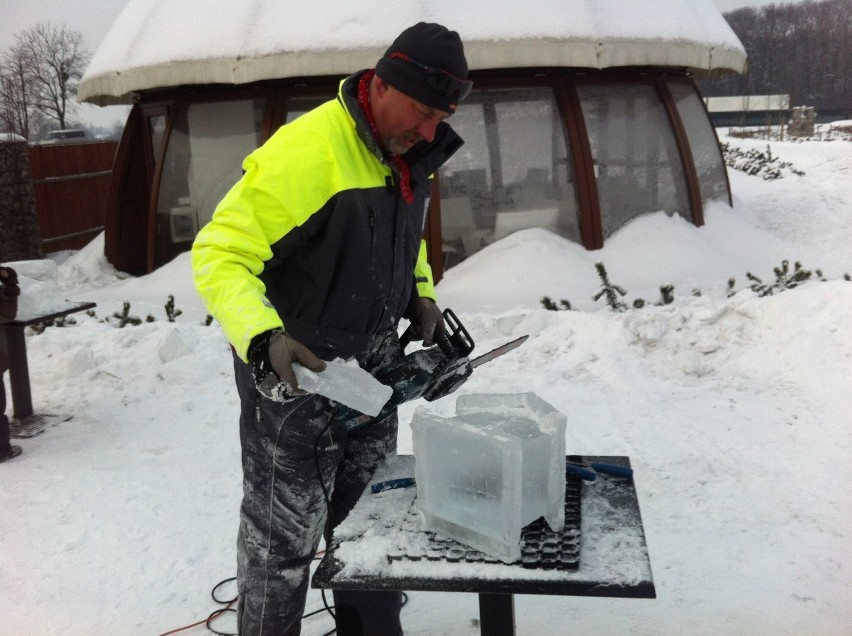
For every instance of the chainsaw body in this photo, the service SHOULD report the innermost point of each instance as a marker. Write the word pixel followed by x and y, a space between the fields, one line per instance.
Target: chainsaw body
pixel 428 373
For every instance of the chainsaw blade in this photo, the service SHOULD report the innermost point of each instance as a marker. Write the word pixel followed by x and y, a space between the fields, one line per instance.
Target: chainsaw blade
pixel 499 351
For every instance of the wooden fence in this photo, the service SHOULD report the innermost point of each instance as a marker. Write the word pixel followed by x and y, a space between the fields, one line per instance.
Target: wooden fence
pixel 71 184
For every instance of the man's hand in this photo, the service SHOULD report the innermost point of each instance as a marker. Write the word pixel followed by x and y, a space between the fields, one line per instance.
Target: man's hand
pixel 272 358
pixel 425 317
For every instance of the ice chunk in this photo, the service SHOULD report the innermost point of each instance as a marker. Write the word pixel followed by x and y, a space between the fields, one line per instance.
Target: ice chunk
pixel 495 467
pixel 178 343
pixel 78 361
pixel 345 382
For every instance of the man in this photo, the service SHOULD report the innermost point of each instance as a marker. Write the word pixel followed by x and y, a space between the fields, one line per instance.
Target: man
pixel 316 254
pixel 9 292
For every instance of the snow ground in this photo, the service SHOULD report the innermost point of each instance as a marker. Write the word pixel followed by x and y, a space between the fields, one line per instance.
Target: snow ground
pixel 735 413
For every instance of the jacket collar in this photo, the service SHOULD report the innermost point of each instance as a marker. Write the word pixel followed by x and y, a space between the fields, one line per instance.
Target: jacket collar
pixel 424 157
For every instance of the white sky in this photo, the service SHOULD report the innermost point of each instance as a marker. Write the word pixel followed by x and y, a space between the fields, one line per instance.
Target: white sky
pixel 93 18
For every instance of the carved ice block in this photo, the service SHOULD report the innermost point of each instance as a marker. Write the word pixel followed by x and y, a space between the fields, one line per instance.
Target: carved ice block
pixel 493 468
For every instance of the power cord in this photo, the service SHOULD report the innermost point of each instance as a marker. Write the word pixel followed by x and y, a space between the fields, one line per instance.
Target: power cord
pixel 328 516
pixel 216 614
pixel 229 607
pixel 208 622
pixel 229 603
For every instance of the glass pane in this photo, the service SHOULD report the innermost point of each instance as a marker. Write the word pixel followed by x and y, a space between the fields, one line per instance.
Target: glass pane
pixel 512 173
pixel 157 128
pixel 709 164
pixel 636 161
pixel 204 159
pixel 298 106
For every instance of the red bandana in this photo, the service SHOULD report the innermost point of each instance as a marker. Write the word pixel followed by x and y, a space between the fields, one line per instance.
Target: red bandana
pixel 398 162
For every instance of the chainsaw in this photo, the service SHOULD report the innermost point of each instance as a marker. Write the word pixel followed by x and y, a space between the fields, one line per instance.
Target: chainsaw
pixel 429 373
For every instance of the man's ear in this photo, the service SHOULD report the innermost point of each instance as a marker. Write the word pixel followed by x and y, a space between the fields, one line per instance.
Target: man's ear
pixel 380 85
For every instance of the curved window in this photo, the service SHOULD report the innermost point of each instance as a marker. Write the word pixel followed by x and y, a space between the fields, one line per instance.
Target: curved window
pixel 709 164
pixel 636 161
pixel 513 171
pixel 580 154
pixel 157 130
pixel 206 148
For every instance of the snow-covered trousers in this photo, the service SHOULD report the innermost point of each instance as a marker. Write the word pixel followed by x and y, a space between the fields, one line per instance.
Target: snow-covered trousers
pixel 290 452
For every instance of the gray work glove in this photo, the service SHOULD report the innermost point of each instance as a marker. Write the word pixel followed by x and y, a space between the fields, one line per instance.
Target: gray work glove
pixel 425 317
pixel 272 355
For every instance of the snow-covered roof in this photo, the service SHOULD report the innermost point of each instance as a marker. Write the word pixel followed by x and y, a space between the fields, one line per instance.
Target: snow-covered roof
pixel 8 137
pixel 747 103
pixel 160 43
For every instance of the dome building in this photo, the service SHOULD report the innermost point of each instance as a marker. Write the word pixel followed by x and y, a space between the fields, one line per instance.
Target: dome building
pixel 584 114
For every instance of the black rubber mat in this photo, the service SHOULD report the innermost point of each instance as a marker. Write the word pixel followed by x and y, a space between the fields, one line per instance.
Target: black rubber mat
pixel 541 548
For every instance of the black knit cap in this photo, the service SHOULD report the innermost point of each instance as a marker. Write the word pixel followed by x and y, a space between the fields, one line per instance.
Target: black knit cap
pixel 433 46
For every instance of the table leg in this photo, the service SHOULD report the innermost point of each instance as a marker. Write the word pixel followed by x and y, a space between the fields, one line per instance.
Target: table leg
pixel 19 374
pixel 497 614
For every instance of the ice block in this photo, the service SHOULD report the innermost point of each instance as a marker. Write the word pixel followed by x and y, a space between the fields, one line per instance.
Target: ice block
pixel 345 382
pixel 493 468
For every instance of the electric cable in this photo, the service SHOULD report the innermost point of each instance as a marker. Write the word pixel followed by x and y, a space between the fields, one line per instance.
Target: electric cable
pixel 207 622
pixel 219 612
pixel 328 516
pixel 228 603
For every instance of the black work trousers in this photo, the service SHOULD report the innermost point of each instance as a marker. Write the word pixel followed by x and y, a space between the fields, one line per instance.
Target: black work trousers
pixel 302 474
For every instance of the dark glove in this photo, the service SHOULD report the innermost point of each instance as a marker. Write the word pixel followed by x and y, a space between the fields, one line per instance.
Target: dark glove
pixel 9 282
pixel 425 317
pixel 9 292
pixel 272 355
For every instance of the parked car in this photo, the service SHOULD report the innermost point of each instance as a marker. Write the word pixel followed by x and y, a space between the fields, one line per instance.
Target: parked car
pixel 69 135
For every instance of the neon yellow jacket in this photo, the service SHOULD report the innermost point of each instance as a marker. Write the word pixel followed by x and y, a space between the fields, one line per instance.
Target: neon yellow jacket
pixel 316 237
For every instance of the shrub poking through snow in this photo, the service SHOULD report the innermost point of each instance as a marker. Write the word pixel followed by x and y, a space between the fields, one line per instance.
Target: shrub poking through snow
pixel 171 312
pixel 609 290
pixel 784 279
pixel 547 303
pixel 756 163
pixel 124 318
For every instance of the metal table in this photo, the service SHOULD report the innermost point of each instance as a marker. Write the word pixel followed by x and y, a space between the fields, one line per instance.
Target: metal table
pixel 613 556
pixel 24 422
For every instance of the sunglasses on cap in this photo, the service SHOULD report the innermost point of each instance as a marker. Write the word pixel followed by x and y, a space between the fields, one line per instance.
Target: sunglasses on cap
pixel 442 81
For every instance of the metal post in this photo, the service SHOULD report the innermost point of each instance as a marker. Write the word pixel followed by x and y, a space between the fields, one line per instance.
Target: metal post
pixel 19 374
pixel 497 614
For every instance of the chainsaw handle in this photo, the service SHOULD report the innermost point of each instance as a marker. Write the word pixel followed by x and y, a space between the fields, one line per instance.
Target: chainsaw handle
pixel 460 340
pixel 452 338
pixel 441 339
pixel 444 343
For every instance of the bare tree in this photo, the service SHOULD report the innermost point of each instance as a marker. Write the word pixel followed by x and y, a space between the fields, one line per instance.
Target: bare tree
pixel 16 108
pixel 803 49
pixel 53 59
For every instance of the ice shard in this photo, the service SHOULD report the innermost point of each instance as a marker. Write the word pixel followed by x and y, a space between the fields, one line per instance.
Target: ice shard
pixel 347 383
